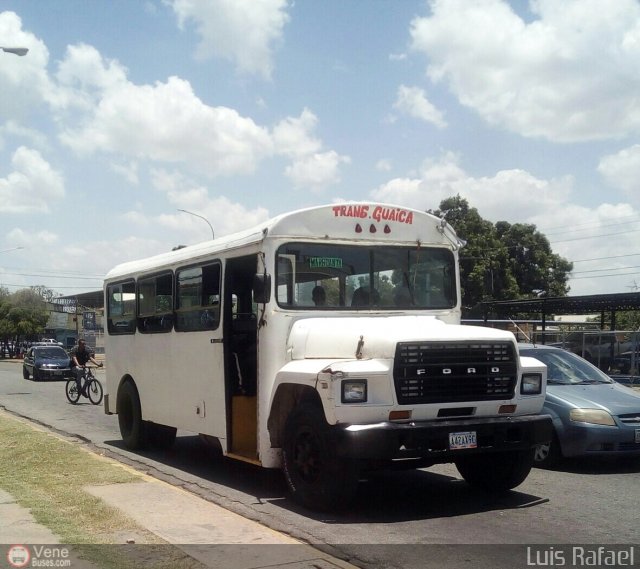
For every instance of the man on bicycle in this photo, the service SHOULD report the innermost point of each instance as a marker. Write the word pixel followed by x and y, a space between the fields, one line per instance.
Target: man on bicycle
pixel 80 355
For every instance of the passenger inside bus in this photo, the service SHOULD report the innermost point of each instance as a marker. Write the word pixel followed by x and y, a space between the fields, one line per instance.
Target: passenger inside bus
pixel 363 297
pixel 319 296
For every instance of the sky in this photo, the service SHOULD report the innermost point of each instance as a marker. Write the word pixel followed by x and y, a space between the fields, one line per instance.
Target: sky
pixel 125 112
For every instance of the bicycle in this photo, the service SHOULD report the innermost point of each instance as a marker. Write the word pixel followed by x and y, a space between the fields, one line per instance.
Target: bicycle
pixel 91 388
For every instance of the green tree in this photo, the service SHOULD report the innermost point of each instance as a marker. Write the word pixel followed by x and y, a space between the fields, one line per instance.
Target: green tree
pixel 23 314
pixel 536 268
pixel 503 261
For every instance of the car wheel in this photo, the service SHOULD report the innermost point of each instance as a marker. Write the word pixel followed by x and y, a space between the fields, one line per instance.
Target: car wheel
pixel 549 454
pixel 25 372
pixel 36 374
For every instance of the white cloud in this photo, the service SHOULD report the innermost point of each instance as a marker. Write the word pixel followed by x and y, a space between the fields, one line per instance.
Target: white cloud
pixel 568 75
pixel 622 170
pixel 168 123
pixel 129 171
pixel 311 168
pixel 514 195
pixel 21 238
pixel 14 129
pixel 32 185
pixel 84 76
pixel 24 80
pixel 413 101
pixel 576 232
pixel 384 165
pixel 224 215
pixel 244 32
pixel 293 136
pixel 316 171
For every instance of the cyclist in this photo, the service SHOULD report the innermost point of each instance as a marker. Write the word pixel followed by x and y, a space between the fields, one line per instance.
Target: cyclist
pixel 80 355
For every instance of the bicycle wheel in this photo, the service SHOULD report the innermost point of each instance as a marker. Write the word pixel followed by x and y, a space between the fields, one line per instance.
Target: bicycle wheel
pixel 94 391
pixel 72 391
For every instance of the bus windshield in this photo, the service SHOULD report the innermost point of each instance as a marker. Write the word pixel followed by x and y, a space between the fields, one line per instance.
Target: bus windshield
pixel 321 276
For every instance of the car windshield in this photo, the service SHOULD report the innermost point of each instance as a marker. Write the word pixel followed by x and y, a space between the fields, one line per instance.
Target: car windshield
pixel 566 368
pixel 51 353
pixel 325 276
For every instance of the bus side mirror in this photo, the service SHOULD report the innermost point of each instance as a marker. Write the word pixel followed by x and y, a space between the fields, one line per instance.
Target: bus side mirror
pixel 262 288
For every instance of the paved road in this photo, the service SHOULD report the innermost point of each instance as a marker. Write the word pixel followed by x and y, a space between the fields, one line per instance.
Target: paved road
pixel 581 504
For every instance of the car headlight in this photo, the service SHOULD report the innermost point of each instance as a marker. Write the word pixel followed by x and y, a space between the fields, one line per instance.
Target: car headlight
pixel 531 384
pixel 354 391
pixel 594 416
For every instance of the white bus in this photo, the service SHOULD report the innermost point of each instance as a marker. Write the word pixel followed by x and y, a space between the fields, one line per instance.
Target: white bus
pixel 325 342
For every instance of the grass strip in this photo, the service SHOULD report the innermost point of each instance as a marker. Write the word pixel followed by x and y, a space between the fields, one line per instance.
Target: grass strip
pixel 46 474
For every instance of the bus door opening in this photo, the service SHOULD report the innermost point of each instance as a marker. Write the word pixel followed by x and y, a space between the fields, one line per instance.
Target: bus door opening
pixel 241 357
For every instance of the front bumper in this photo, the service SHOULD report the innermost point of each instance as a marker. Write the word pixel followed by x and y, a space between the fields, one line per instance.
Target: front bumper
pixel 430 439
pixel 54 373
pixel 582 439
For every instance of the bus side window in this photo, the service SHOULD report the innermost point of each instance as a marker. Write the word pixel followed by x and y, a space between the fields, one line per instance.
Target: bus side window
pixel 198 298
pixel 121 311
pixel 155 303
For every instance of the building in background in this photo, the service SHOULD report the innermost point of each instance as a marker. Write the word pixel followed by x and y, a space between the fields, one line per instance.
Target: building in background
pixel 77 316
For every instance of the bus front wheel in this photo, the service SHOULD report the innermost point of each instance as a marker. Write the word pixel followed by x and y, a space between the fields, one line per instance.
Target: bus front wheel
pixel 132 427
pixel 316 477
pixel 496 472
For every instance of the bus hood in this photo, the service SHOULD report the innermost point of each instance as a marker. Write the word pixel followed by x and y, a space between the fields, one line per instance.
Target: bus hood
pixel 340 338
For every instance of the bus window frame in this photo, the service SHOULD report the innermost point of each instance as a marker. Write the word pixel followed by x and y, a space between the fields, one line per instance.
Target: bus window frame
pixel 289 283
pixel 131 328
pixel 155 322
pixel 202 309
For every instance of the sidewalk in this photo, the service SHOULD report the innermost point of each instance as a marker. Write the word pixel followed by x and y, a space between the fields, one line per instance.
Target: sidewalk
pixel 204 531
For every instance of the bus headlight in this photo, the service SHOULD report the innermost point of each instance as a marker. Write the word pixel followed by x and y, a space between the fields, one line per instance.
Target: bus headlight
pixel 531 384
pixel 354 391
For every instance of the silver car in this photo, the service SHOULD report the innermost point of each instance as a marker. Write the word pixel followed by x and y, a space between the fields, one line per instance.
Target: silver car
pixel 592 414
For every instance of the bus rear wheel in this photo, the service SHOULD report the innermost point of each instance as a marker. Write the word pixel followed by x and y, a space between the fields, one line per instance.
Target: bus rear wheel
pixel 132 428
pixel 316 477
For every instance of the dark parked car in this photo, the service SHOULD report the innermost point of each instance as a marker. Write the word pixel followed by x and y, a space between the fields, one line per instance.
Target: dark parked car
pixel 592 414
pixel 46 362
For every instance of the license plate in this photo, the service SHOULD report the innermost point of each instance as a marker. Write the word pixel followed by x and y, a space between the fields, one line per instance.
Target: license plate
pixel 638 435
pixel 459 441
pixel 57 373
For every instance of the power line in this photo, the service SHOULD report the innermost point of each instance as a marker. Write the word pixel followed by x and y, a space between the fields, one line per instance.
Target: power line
pixel 57 287
pixel 594 236
pixel 607 258
pixel 590 224
pixel 52 276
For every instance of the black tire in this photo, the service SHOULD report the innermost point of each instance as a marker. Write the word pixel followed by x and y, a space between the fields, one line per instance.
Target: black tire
pixel 25 372
pixel 160 436
pixel 316 477
pixel 94 391
pixel 71 390
pixel 549 455
pixel 36 374
pixel 132 428
pixel 496 472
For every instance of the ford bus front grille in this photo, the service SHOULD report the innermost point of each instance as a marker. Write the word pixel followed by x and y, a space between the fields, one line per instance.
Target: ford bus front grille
pixel 443 372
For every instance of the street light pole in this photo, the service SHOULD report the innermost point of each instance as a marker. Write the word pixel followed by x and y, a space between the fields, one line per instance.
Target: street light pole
pixel 19 51
pixel 201 217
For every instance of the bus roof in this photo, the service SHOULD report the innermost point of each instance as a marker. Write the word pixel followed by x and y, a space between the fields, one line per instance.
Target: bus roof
pixel 361 221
